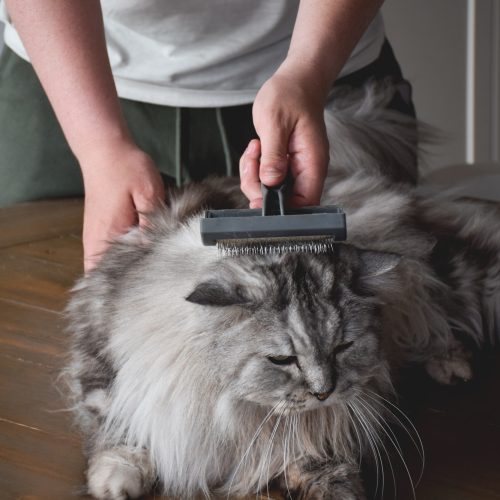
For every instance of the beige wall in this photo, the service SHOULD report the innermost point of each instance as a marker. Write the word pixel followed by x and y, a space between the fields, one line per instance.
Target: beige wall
pixel 449 50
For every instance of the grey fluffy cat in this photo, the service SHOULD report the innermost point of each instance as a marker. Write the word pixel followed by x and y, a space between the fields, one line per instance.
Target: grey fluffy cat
pixel 216 376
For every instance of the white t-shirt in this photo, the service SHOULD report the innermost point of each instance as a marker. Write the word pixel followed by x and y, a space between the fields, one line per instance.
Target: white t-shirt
pixel 201 53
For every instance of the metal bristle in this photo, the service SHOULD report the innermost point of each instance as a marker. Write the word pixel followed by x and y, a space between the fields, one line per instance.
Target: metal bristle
pixel 275 246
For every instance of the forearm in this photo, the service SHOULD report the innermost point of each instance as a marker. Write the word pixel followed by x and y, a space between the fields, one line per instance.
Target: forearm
pixel 66 44
pixel 325 33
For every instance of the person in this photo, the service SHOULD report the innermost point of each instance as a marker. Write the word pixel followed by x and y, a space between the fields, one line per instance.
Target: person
pixel 178 87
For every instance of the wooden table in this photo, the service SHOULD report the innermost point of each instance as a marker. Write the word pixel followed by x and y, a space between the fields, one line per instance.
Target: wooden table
pixel 40 458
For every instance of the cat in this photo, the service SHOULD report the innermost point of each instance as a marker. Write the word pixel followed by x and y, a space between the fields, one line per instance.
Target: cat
pixel 220 376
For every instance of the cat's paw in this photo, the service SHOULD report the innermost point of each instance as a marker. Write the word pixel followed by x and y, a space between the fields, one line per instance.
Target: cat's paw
pixel 336 492
pixel 118 474
pixel 327 482
pixel 450 369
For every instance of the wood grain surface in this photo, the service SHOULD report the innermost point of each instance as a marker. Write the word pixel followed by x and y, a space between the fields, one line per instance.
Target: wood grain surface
pixel 40 456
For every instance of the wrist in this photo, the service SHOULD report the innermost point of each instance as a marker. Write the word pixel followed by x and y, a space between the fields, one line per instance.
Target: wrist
pixel 98 135
pixel 104 148
pixel 110 156
pixel 310 75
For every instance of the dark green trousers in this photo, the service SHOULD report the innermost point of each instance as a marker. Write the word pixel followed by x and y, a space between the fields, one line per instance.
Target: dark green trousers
pixel 36 162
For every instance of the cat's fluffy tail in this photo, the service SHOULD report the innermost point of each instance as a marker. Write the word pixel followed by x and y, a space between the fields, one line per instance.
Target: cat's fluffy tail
pixel 366 136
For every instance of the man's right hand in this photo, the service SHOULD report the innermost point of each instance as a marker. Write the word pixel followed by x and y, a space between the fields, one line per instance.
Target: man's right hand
pixel 121 186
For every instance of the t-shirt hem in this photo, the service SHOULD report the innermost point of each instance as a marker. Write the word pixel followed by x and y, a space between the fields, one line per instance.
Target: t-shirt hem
pixel 179 97
pixel 190 98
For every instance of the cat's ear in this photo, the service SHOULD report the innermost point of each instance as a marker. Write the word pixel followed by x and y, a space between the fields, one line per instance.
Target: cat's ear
pixel 376 268
pixel 214 293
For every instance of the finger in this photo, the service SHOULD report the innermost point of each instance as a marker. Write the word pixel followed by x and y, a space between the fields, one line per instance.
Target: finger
pixel 307 190
pixel 309 172
pixel 274 157
pixel 148 199
pixel 309 165
pixel 101 225
pixel 93 253
pixel 256 203
pixel 96 240
pixel 249 172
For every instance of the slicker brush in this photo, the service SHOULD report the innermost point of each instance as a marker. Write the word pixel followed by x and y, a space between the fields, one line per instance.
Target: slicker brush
pixel 273 230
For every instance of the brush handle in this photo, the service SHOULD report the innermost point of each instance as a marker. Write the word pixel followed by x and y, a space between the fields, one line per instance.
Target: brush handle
pixel 273 198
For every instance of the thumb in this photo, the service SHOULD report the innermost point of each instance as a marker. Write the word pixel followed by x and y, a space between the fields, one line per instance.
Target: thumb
pixel 274 157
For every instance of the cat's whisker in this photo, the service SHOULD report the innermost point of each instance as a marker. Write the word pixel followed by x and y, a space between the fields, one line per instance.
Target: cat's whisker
pixel 395 446
pixel 291 439
pixel 277 411
pixel 269 452
pixel 252 442
pixel 420 446
pixel 342 441
pixel 377 417
pixel 286 451
pixel 355 427
pixel 356 415
pixel 376 441
pixel 413 483
pixel 294 437
pixel 299 429
pixel 381 419
pixel 373 395
pixel 387 428
pixel 371 441
pixel 299 416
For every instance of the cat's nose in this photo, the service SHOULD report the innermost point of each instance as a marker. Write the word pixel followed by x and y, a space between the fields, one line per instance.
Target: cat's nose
pixel 323 395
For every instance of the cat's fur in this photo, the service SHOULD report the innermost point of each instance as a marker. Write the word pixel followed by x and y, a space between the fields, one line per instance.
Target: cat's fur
pixel 170 374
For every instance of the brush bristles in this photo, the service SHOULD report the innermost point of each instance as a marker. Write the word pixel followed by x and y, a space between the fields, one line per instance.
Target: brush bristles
pixel 275 246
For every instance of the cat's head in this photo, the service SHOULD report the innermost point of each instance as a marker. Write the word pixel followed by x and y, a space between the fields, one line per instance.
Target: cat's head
pixel 299 328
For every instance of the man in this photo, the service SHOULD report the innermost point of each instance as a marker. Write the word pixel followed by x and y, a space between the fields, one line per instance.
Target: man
pixel 198 65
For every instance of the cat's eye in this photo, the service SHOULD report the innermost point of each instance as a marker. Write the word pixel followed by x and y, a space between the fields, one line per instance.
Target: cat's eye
pixel 342 347
pixel 282 360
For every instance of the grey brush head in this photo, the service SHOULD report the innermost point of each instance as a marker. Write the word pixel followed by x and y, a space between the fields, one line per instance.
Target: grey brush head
pixel 247 232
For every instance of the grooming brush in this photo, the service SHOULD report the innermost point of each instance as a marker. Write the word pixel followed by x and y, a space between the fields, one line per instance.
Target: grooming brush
pixel 273 230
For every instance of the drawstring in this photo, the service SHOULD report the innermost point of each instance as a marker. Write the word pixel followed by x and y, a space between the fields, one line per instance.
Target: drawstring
pixel 225 143
pixel 177 159
pixel 178 144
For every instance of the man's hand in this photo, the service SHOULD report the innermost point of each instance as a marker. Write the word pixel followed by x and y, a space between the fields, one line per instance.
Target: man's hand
pixel 288 110
pixel 288 117
pixel 120 187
